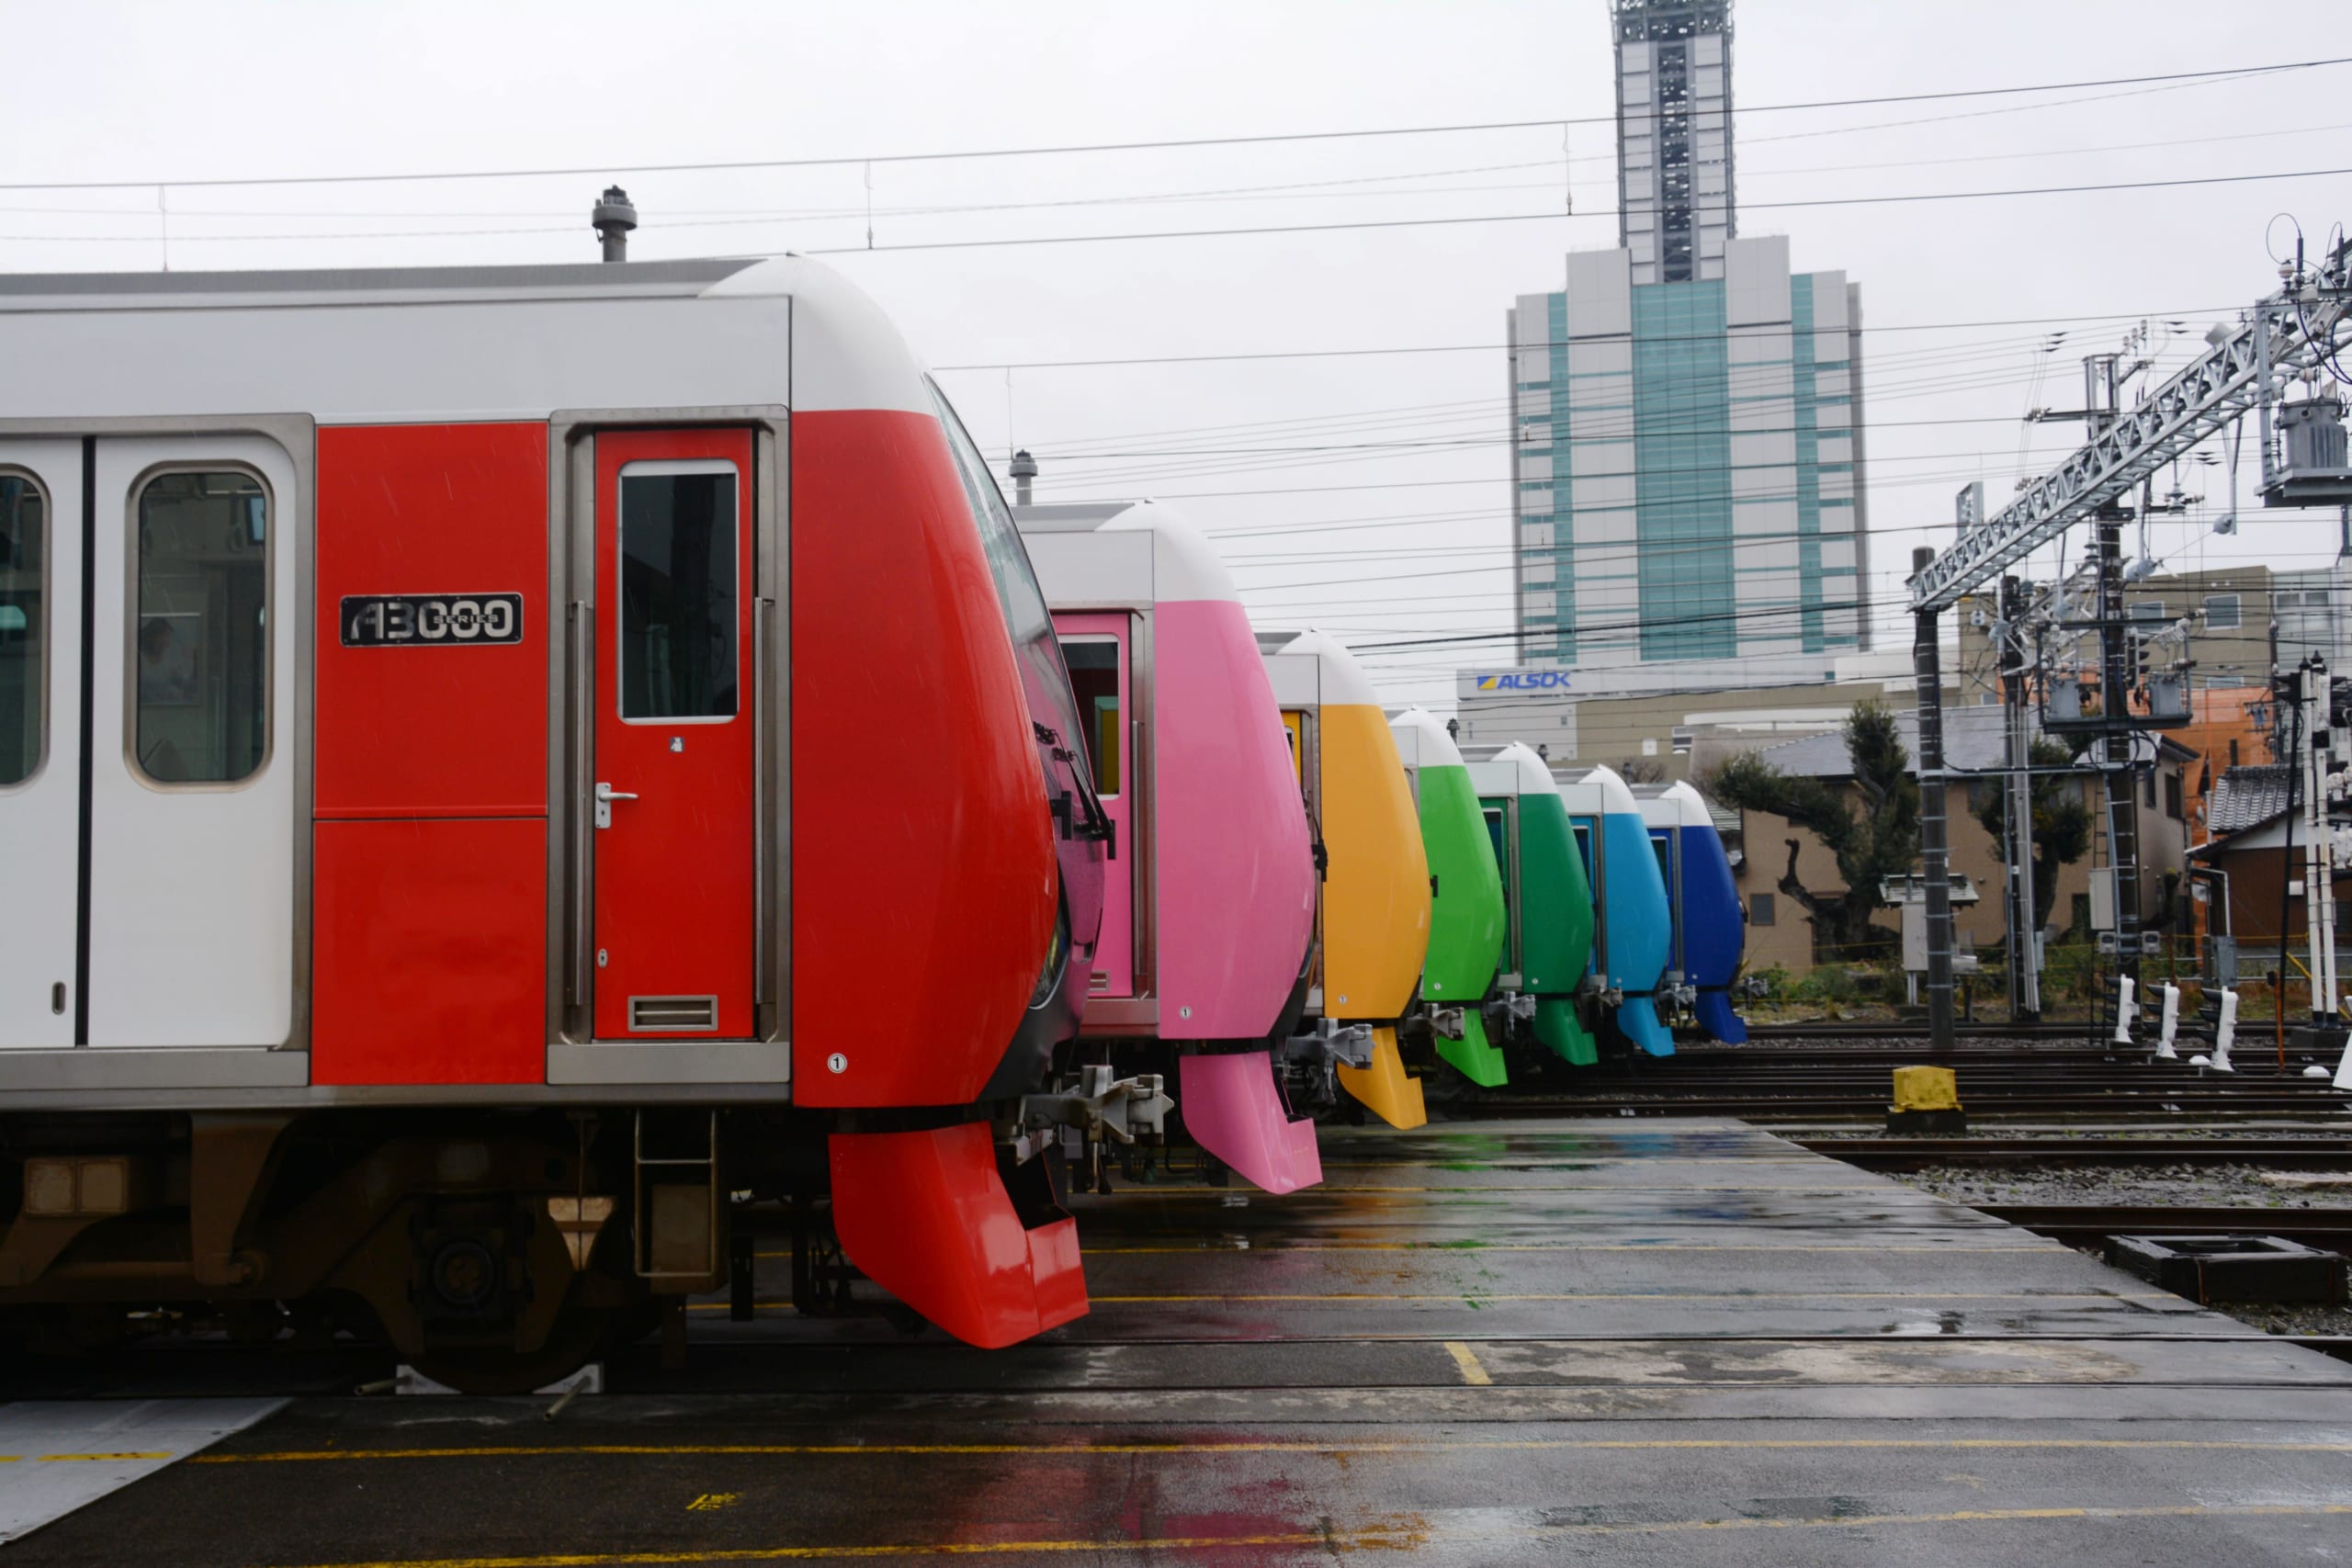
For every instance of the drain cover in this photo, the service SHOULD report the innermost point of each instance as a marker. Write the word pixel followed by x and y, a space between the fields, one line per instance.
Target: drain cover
pixel 2231 1267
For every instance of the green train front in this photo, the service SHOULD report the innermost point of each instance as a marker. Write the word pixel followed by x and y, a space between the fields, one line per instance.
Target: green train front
pixel 1466 898
pixel 1547 902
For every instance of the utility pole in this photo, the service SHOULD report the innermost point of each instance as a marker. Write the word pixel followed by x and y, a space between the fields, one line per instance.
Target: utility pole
pixel 1935 837
pixel 2025 935
pixel 2123 789
pixel 2313 701
pixel 2287 337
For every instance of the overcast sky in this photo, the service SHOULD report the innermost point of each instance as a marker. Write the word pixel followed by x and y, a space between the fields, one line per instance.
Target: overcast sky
pixel 179 93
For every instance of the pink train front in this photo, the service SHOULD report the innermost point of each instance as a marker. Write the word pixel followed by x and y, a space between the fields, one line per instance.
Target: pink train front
pixel 1209 910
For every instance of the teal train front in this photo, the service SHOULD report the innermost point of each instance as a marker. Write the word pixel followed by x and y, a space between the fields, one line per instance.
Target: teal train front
pixel 1635 926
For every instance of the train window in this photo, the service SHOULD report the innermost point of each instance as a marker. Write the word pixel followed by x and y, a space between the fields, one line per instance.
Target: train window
pixel 678 617
pixel 24 626
pixel 1093 664
pixel 1016 581
pixel 199 663
pixel 1017 592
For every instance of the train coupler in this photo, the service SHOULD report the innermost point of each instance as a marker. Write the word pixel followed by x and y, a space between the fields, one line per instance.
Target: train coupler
pixel 1309 1062
pixel 1330 1044
pixel 1519 1006
pixel 1098 1107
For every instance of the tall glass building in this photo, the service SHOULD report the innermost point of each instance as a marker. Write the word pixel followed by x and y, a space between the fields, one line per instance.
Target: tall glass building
pixel 1686 410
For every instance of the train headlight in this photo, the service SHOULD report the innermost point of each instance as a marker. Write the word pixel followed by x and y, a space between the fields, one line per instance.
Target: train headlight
pixel 1050 978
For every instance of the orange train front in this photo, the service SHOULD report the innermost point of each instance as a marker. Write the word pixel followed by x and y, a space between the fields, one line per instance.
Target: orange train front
pixel 1373 908
pixel 454 865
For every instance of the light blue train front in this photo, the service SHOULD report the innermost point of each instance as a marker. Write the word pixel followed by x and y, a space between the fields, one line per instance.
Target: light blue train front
pixel 1635 928
pixel 1710 928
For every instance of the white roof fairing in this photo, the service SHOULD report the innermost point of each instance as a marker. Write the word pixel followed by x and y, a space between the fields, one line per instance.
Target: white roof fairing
pixel 1422 741
pixel 432 345
pixel 1344 680
pixel 1690 805
pixel 1615 796
pixel 846 353
pixel 1534 773
pixel 1184 566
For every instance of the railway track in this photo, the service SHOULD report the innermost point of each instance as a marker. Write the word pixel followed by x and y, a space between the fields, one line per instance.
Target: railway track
pixel 2086 1224
pixel 2315 1152
pixel 1847 1077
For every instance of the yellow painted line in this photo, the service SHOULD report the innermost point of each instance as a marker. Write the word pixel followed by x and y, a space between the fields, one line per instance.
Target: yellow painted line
pixel 1466 1359
pixel 1402 1540
pixel 1573 1162
pixel 1278 1446
pixel 1457 1248
pixel 1375 1299
pixel 96 1459
pixel 1369 1298
pixel 1923 1199
pixel 1197 1248
pixel 1406 1534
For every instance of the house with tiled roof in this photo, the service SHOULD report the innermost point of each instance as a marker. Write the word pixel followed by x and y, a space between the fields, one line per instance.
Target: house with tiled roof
pixel 2251 863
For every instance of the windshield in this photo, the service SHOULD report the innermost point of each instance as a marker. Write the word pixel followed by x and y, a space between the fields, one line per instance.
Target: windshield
pixel 1024 602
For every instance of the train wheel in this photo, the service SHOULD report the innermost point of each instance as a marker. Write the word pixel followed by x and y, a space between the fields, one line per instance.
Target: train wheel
pixel 580 1335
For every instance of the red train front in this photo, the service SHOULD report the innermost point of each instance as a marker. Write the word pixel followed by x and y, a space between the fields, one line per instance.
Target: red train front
pixel 449 869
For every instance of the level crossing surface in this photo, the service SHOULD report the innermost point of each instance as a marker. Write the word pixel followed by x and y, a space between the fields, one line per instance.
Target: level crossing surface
pixel 1663 1340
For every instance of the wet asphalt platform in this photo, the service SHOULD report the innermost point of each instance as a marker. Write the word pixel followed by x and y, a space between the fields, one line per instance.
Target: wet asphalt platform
pixel 1655 1341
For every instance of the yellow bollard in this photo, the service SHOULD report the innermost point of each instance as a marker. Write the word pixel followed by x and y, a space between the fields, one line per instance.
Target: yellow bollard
pixel 1926 1102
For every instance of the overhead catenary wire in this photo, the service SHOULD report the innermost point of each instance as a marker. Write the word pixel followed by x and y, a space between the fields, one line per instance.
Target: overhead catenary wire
pixel 2092 320
pixel 1162 144
pixel 1336 187
pixel 1359 225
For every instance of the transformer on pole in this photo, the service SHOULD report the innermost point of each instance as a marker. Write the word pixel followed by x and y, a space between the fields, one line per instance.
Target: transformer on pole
pixel 2287 337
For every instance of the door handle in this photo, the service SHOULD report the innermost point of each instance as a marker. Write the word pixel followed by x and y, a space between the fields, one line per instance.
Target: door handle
pixel 605 796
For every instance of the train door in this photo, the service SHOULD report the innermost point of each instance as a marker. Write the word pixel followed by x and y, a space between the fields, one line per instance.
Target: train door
pixel 1306 767
pixel 187 931
pixel 674 788
pixel 1502 830
pixel 1097 648
pixel 1670 871
pixel 1587 832
pixel 40 737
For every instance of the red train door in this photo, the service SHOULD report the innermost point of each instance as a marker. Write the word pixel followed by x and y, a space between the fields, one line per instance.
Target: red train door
pixel 672 792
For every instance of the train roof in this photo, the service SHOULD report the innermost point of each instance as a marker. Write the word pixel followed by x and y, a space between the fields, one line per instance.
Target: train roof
pixel 1534 773
pixel 1422 741
pixel 1677 804
pixel 1615 796
pixel 414 345
pixel 199 291
pixel 1340 679
pixel 1150 553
